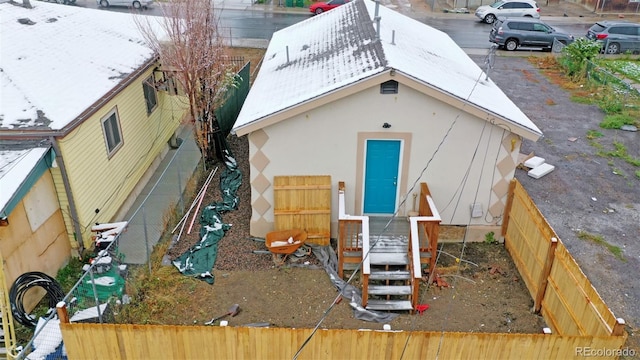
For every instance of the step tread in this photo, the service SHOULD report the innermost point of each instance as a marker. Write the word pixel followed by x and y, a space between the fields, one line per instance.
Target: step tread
pixel 389 305
pixel 388 259
pixel 389 290
pixel 352 254
pixel 389 275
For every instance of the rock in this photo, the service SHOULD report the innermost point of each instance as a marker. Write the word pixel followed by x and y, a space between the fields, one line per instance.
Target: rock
pixel 629 128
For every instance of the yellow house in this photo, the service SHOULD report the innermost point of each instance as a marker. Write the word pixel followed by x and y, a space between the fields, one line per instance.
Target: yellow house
pixel 88 87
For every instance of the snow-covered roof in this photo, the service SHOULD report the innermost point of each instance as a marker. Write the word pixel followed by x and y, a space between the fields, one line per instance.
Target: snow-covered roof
pixel 56 61
pixel 15 167
pixel 338 48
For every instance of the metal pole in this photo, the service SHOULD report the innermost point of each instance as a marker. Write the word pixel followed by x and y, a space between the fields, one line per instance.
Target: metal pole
pixel 95 294
pixel 180 199
pixel 146 238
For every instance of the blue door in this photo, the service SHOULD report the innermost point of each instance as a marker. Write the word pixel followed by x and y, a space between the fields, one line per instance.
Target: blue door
pixel 381 176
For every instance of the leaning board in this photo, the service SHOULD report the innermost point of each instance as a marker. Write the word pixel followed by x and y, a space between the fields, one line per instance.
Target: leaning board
pixel 304 202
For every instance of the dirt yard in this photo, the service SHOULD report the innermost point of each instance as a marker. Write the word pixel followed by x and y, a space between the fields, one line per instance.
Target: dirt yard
pixel 484 294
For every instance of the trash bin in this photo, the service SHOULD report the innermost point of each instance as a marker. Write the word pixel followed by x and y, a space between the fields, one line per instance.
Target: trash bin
pixel 299 3
pixel 289 3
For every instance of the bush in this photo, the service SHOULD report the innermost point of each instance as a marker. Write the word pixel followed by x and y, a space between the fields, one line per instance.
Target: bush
pixel 575 56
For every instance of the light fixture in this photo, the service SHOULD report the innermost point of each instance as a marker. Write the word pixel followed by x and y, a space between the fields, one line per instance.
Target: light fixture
pixel 386 125
pixel 4 221
pixel 392 72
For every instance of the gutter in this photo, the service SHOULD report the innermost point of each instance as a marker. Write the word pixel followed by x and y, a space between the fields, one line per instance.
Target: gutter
pixel 67 187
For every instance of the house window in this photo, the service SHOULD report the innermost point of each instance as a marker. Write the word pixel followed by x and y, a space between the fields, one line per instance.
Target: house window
pixel 150 97
pixel 389 87
pixel 112 132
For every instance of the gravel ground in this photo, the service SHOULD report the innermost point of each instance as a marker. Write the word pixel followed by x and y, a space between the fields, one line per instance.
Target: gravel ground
pixel 586 192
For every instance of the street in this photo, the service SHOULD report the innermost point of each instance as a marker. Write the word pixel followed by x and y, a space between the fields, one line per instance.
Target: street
pixel 242 22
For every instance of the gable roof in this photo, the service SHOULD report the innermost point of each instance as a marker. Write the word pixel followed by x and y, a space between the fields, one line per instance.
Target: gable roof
pixel 57 61
pixel 340 47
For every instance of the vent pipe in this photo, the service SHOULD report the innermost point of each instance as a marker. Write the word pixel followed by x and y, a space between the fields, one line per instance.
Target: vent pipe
pixel 287 54
pixel 376 18
pixel 393 37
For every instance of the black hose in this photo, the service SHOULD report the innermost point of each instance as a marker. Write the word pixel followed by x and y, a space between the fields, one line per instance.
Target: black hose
pixel 25 282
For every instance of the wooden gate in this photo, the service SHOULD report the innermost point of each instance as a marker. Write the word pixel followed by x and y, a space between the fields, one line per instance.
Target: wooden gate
pixel 304 202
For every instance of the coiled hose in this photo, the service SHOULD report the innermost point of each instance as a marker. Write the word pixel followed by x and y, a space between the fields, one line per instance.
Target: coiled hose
pixel 25 282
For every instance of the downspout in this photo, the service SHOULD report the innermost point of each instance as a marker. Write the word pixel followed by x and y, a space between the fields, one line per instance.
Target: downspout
pixel 67 187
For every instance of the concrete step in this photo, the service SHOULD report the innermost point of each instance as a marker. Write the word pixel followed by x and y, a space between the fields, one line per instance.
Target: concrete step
pixel 389 290
pixel 389 275
pixel 393 305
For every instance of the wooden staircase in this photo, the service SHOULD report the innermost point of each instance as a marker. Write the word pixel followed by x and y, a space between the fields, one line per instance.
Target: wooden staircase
pixel 392 267
pixel 388 282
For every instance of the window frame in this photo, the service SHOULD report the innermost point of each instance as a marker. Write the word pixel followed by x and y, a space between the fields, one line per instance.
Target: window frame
pixel 108 132
pixel 148 87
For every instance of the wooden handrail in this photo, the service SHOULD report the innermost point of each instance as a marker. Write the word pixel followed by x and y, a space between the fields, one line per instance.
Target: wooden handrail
pixel 344 218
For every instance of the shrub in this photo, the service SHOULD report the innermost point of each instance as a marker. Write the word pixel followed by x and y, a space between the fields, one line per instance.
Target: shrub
pixel 575 56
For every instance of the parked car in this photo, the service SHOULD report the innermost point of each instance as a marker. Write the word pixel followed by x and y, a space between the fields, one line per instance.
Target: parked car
pixel 508 8
pixel 616 36
pixel 136 4
pixel 513 33
pixel 320 7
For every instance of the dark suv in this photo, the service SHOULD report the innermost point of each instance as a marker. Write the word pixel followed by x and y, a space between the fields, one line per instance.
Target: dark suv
pixel 616 36
pixel 512 33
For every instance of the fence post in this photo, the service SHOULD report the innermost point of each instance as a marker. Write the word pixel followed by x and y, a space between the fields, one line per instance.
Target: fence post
pixel 95 293
pixel 507 208
pixel 180 197
pixel 618 328
pixel 63 314
pixel 146 237
pixel 544 277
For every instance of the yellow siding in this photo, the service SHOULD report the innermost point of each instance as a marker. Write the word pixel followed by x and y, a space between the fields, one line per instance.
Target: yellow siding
pixel 102 183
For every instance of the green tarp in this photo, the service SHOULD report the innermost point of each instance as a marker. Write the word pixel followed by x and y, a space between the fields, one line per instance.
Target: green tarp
pixel 200 258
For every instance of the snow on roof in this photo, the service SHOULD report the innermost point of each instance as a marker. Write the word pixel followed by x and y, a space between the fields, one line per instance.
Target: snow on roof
pixel 337 48
pixel 15 167
pixel 58 60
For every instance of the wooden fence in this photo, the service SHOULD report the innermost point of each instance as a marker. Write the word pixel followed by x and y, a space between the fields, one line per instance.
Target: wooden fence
pixel 562 293
pixel 88 341
pixel 304 202
pixel 581 323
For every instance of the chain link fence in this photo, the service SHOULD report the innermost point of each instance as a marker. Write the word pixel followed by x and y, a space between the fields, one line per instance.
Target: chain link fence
pixel 163 193
pixel 625 89
pixel 100 292
pixel 96 297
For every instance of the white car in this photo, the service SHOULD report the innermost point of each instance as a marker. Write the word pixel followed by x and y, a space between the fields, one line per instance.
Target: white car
pixel 136 4
pixel 508 8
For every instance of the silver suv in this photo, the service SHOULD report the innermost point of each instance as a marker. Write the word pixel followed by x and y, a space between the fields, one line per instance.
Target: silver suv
pixel 616 36
pixel 508 8
pixel 513 33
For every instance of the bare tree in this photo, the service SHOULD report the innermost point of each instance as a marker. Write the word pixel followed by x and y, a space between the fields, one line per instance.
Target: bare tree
pixel 193 49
